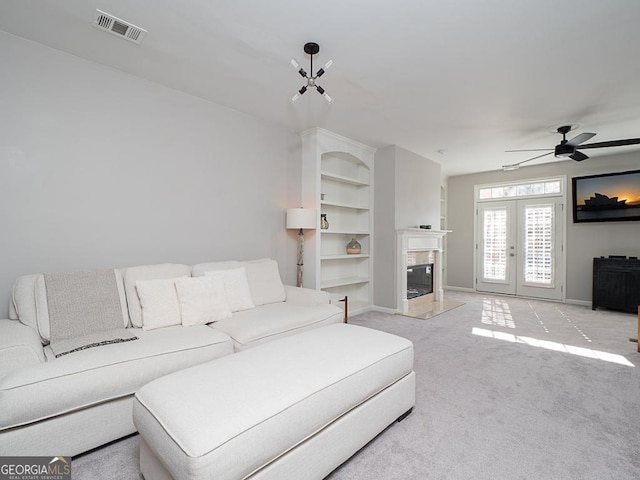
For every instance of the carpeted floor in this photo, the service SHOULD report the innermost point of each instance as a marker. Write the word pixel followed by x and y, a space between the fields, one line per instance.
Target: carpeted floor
pixel 506 389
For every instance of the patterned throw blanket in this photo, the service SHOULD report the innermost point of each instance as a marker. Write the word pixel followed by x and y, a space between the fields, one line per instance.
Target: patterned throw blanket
pixel 84 311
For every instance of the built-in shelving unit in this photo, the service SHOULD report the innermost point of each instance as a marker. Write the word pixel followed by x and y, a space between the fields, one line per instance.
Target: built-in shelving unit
pixel 337 179
pixel 443 226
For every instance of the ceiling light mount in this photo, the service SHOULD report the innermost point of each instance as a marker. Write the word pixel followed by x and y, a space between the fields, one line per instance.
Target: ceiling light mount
pixel 311 48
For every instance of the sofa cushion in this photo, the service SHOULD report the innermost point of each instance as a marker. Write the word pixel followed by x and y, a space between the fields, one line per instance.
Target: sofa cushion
pixel 148 272
pixel 202 300
pixel 268 322
pixel 97 375
pixel 264 281
pixel 200 269
pixel 30 301
pixel 236 287
pixel 159 302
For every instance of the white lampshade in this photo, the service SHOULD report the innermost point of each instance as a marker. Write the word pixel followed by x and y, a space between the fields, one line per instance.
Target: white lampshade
pixel 301 218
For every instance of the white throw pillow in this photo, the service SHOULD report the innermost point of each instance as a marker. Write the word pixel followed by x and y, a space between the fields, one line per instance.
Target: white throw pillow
pixel 236 286
pixel 159 303
pixel 264 281
pixel 202 300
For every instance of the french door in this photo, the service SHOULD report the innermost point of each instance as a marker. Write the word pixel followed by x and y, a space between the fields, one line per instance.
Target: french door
pixel 519 247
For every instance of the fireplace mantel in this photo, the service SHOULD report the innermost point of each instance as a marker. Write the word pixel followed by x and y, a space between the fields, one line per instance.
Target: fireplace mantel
pixel 418 240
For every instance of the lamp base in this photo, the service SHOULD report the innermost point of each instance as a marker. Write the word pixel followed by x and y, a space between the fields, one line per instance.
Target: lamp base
pixel 300 262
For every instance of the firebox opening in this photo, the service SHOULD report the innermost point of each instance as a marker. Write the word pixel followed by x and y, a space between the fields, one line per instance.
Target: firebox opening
pixel 419 280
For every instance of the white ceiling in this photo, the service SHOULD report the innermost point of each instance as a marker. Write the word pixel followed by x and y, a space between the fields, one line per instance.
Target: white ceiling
pixel 469 77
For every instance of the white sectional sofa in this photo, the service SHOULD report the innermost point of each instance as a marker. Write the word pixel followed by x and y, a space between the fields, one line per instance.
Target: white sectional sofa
pixel 81 400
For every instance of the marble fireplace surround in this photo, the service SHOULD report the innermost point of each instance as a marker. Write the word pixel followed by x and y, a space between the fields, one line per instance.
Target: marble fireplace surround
pixel 418 240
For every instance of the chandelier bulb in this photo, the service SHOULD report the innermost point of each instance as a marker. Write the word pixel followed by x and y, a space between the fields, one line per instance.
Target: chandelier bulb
pixel 324 69
pixel 297 66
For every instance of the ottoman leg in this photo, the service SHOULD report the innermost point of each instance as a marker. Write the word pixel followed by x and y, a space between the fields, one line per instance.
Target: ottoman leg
pixel 405 415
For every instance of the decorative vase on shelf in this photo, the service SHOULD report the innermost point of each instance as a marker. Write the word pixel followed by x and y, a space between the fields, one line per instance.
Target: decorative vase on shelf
pixel 354 247
pixel 324 223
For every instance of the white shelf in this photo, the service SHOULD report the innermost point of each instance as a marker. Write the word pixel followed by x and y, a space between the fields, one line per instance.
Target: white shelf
pixel 343 205
pixel 344 256
pixel 341 282
pixel 343 179
pixel 345 232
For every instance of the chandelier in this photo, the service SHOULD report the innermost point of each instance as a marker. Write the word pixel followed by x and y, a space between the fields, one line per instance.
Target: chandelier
pixel 312 49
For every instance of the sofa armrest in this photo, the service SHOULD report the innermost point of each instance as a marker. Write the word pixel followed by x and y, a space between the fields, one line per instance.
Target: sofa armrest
pixel 306 296
pixel 20 346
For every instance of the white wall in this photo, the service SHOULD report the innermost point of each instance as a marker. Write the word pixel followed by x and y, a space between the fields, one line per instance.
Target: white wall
pixel 417 182
pixel 406 194
pixel 584 240
pixel 102 169
pixel 384 233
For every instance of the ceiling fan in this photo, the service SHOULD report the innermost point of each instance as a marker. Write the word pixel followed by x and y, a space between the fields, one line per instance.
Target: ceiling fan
pixel 571 148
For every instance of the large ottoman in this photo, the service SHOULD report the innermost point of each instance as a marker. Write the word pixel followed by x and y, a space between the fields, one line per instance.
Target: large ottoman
pixel 293 408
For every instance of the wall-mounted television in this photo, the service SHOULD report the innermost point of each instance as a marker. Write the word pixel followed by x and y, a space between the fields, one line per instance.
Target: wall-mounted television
pixel 610 197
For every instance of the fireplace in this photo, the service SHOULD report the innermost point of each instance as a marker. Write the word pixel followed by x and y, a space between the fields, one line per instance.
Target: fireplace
pixel 419 264
pixel 419 280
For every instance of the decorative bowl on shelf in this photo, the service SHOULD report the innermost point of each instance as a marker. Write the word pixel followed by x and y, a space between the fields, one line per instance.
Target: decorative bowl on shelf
pixel 354 247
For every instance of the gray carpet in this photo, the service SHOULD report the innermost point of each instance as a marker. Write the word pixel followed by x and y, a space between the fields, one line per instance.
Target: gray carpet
pixel 507 389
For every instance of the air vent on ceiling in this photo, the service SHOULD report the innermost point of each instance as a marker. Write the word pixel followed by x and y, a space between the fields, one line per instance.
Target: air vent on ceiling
pixel 119 27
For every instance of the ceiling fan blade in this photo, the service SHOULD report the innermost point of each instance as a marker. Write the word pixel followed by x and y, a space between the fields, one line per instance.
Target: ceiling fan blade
pixel 578 156
pixel 515 166
pixel 531 150
pixel 611 143
pixel 578 139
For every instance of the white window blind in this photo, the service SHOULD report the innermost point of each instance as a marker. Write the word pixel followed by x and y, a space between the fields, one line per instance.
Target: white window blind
pixel 495 244
pixel 538 244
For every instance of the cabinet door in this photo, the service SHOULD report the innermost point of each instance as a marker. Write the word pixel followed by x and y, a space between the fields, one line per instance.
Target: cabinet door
pixel 632 290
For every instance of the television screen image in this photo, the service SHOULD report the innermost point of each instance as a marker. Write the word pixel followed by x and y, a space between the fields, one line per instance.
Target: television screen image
pixel 611 197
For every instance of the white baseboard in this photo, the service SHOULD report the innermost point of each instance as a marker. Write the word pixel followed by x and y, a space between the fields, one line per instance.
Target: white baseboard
pixel 583 303
pixel 391 311
pixel 358 311
pixel 459 289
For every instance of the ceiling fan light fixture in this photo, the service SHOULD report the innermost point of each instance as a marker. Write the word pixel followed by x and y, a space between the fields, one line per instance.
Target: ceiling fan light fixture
pixel 564 150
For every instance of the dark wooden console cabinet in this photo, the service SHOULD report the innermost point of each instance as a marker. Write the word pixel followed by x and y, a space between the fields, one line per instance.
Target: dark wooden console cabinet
pixel 616 284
